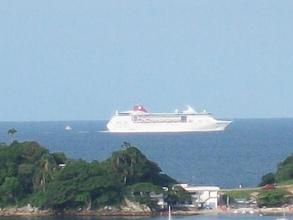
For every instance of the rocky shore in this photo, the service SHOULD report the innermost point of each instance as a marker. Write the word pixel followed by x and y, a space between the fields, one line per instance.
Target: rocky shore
pixel 25 211
pixel 108 211
pixel 130 208
pixel 260 211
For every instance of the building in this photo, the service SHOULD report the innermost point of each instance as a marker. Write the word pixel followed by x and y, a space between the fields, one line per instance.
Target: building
pixel 203 196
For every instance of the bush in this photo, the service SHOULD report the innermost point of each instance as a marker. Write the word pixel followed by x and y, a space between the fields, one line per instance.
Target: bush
pixel 30 174
pixel 284 173
pixel 269 178
pixel 272 198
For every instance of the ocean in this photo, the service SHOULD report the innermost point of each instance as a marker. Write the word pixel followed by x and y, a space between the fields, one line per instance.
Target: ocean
pixel 246 150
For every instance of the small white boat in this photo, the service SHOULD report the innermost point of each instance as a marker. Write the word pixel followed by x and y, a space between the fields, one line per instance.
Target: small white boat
pixel 67 128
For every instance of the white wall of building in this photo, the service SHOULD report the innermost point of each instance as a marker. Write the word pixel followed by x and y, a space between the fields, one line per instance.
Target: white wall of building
pixel 203 196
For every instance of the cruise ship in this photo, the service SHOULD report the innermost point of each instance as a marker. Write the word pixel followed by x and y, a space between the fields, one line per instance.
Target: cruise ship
pixel 140 120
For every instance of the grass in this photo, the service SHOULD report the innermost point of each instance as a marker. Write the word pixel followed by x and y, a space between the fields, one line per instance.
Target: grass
pixel 240 194
pixel 246 193
pixel 287 182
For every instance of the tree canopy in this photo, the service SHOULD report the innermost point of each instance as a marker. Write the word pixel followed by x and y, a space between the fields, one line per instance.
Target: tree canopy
pixel 29 173
pixel 284 173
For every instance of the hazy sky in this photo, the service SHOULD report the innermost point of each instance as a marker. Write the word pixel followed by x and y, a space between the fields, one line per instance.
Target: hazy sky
pixel 70 59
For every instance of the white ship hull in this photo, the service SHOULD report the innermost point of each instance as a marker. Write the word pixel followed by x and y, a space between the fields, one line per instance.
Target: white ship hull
pixel 168 127
pixel 130 122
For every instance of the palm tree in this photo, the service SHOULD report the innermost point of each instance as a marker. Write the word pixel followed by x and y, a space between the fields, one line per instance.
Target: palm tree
pixel 11 132
pixel 44 172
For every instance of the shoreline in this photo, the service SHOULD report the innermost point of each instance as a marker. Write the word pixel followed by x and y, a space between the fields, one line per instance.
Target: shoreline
pixel 272 211
pixel 35 212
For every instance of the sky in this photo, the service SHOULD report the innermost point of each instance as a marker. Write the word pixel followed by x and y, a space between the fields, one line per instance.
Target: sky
pixel 83 59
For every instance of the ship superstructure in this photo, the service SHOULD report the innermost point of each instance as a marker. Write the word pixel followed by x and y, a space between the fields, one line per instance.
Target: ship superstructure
pixel 140 120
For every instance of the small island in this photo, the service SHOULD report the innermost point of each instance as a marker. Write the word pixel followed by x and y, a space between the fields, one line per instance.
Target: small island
pixel 33 180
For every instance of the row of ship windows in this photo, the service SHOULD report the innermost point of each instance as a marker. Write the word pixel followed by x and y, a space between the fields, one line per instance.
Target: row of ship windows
pixel 147 119
pixel 159 121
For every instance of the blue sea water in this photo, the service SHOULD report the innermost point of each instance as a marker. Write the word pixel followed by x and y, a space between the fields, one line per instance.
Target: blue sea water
pixel 244 152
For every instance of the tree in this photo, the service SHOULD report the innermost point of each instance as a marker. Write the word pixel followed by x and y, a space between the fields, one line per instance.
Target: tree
pixel 11 132
pixel 29 173
pixel 269 178
pixel 285 170
pixel 141 192
pixel 82 185
pixel 272 198
pixel 283 173
pixel 132 166
pixel 25 169
pixel 177 194
pixel 44 172
pixel 9 190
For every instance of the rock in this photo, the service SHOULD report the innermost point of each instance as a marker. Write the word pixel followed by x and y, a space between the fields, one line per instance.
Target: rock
pixel 132 206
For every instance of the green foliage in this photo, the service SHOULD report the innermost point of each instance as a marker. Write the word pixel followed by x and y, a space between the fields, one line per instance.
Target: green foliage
pixel 141 192
pixel 30 174
pixel 131 166
pixel 284 173
pixel 145 188
pixel 269 178
pixel 2 145
pixel 177 195
pixel 82 184
pixel 9 190
pixel 240 194
pixel 24 169
pixel 59 157
pixel 286 182
pixel 285 170
pixel 272 198
pixel 11 131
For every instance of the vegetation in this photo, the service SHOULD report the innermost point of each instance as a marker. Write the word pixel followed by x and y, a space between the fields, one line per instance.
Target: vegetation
pixel 178 195
pixel 268 178
pixel 12 132
pixel 285 170
pixel 274 189
pixel 240 194
pixel 30 174
pixel 284 173
pixel 272 198
pixel 25 168
pixel 287 182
